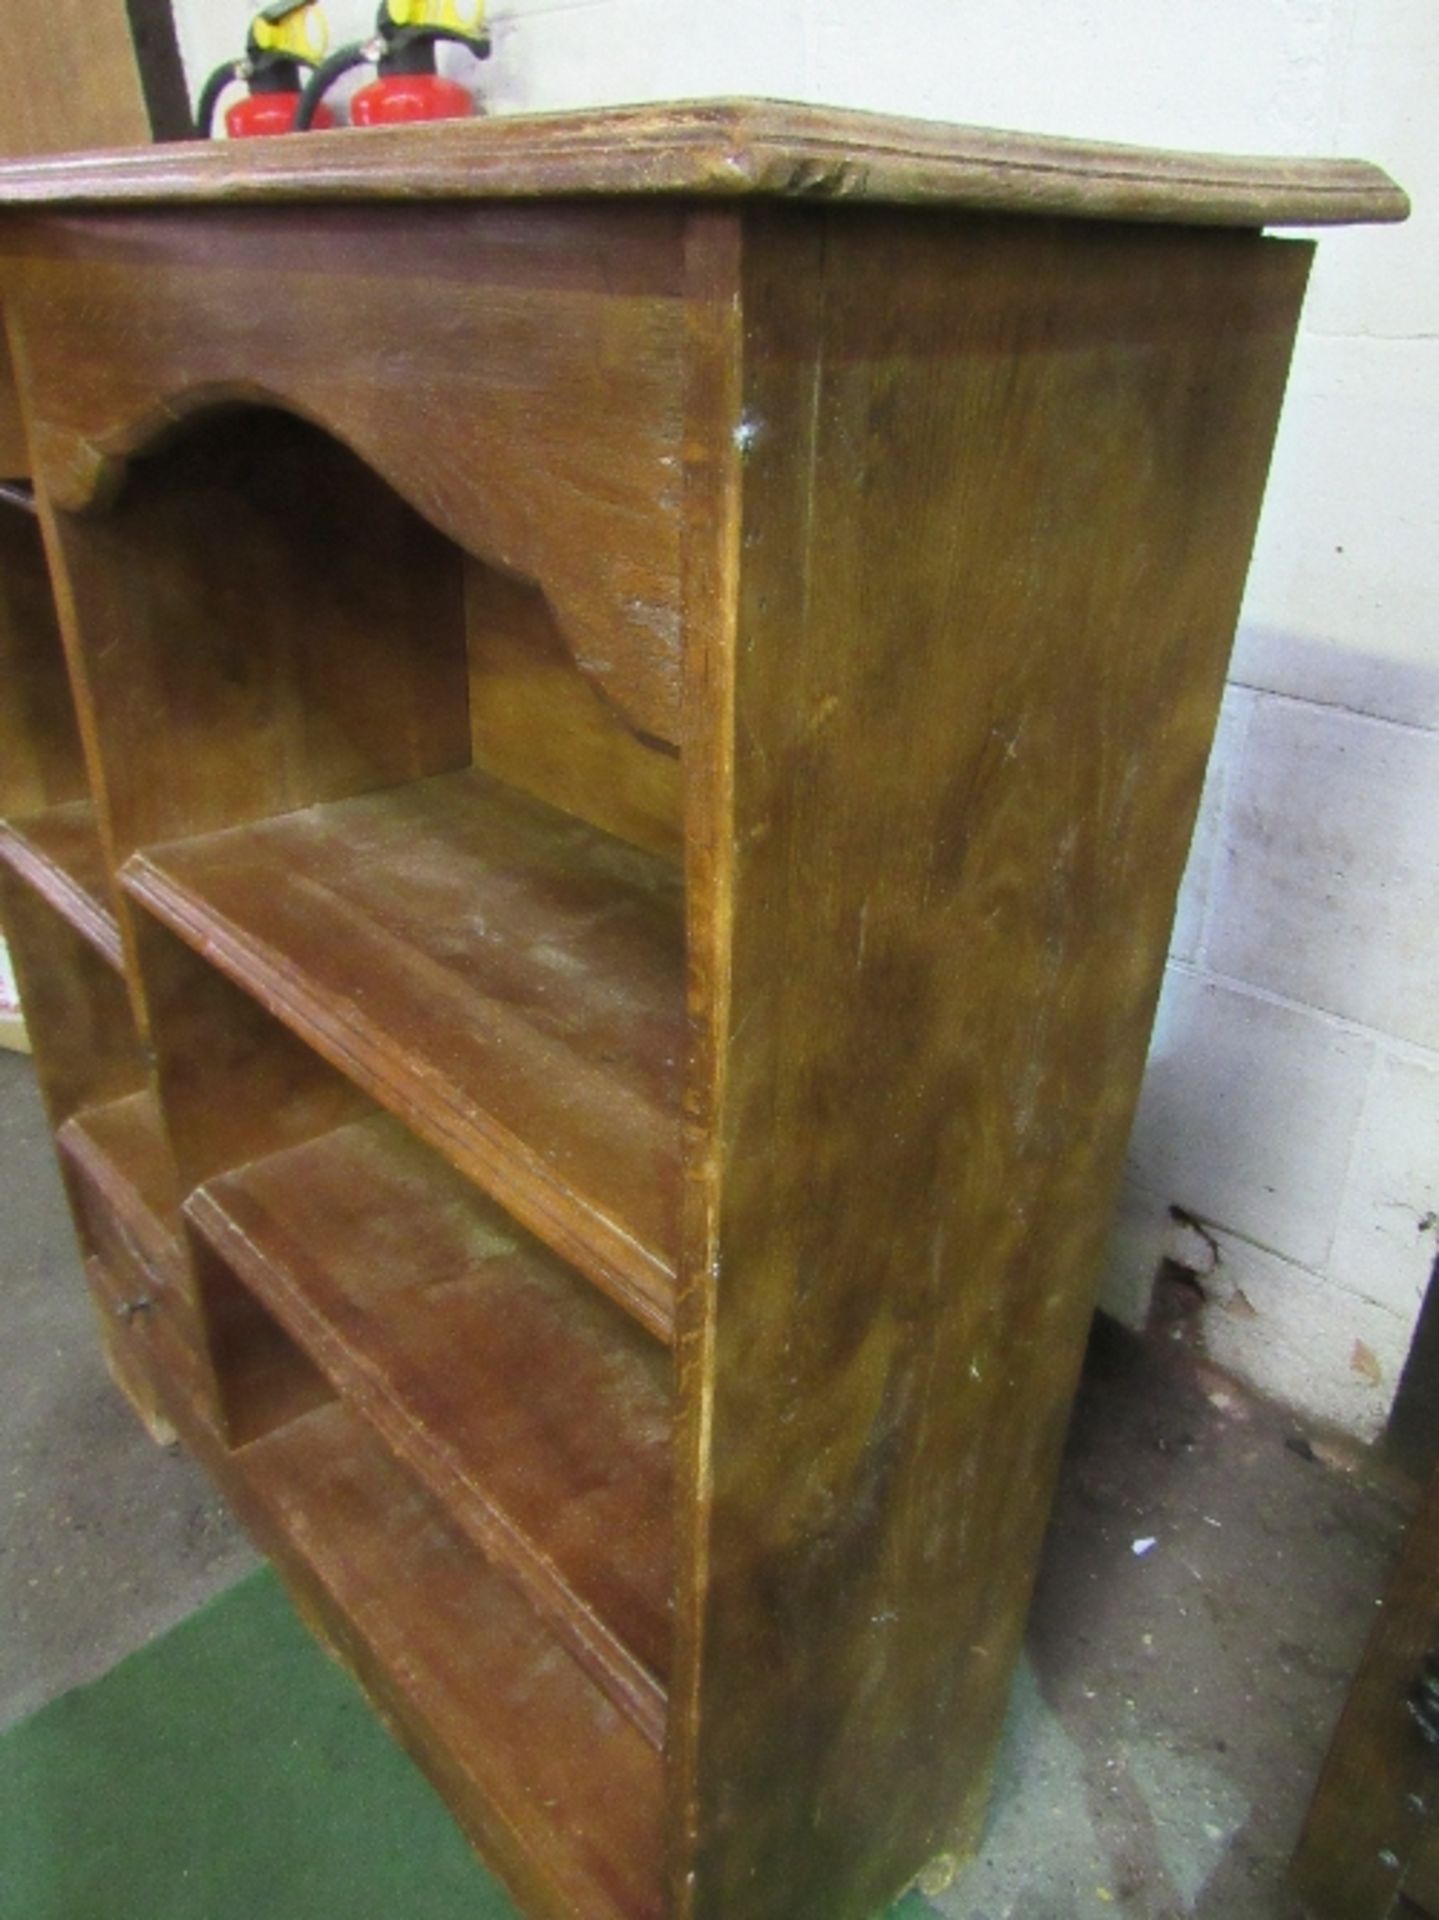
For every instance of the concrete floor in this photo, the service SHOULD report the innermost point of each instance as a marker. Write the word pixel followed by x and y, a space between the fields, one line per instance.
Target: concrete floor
pixel 106 1539
pixel 1173 1705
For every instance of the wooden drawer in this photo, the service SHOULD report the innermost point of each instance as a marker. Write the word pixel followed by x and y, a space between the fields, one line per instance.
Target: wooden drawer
pixel 152 1351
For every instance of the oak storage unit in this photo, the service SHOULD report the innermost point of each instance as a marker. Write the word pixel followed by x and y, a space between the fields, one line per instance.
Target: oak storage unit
pixel 646 678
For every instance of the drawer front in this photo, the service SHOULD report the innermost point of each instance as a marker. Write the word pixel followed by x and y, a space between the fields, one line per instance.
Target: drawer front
pixel 149 1338
pixel 143 1264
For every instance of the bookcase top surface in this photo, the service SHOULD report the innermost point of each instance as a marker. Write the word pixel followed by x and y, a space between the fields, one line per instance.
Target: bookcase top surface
pixel 724 150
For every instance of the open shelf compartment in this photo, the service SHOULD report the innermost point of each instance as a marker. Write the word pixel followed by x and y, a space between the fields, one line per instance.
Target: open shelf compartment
pixel 401 806
pixel 58 852
pixel 408 924
pixel 506 978
pixel 538 1414
pixel 562 1792
pixel 48 833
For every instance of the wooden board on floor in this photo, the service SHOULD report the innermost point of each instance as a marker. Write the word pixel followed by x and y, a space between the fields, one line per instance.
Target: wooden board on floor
pixel 90 73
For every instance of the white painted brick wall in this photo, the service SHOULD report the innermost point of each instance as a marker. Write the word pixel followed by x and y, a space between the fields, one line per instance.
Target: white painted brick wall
pixel 1292 1101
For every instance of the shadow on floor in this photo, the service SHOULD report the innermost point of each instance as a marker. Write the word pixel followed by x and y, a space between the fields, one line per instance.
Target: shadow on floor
pixel 106 1539
pixel 1176 1699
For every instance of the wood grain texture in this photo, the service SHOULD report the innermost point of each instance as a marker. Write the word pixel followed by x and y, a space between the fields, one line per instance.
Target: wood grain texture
pixel 505 979
pixel 697 710
pixel 41 764
pixel 120 1180
pixel 538 1415
pixel 71 79
pixel 119 1156
pixel 14 451
pixel 560 1789
pixel 264 1382
pixel 282 664
pixel 58 853
pixel 516 374
pixel 234 1084
pixel 996 488
pixel 145 1361
pixel 543 725
pixel 77 1006
pixel 1378 1793
pixel 561 1793
pixel 729 149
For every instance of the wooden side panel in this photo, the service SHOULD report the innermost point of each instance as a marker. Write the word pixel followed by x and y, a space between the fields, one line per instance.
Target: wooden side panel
pixel 77 1009
pixel 997 488
pixel 14 452
pixel 40 760
pixel 1411 1438
pixel 516 374
pixel 71 78
pixel 1372 1823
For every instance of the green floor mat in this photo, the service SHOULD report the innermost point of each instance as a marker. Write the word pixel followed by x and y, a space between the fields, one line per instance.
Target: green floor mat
pixel 230 1772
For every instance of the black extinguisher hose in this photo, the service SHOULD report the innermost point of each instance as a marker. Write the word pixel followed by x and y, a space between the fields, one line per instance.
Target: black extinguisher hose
pixel 479 45
pixel 211 93
pixel 324 77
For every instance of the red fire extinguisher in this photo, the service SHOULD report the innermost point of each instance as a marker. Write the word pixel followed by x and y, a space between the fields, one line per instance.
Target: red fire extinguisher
pixel 286 42
pixel 408 83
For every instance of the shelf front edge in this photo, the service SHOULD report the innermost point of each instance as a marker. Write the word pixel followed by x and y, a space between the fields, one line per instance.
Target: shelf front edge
pixel 635 1276
pixel 727 149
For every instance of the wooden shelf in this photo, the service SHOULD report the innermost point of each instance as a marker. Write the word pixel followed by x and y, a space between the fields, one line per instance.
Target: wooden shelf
pixel 58 852
pixel 119 1156
pixel 562 1791
pixel 506 979
pixel 535 1412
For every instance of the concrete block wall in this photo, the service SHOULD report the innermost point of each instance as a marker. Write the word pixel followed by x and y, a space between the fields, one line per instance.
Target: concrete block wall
pixel 1291 1110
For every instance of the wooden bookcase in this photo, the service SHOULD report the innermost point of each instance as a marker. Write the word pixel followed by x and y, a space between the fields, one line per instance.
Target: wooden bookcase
pixel 644 680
